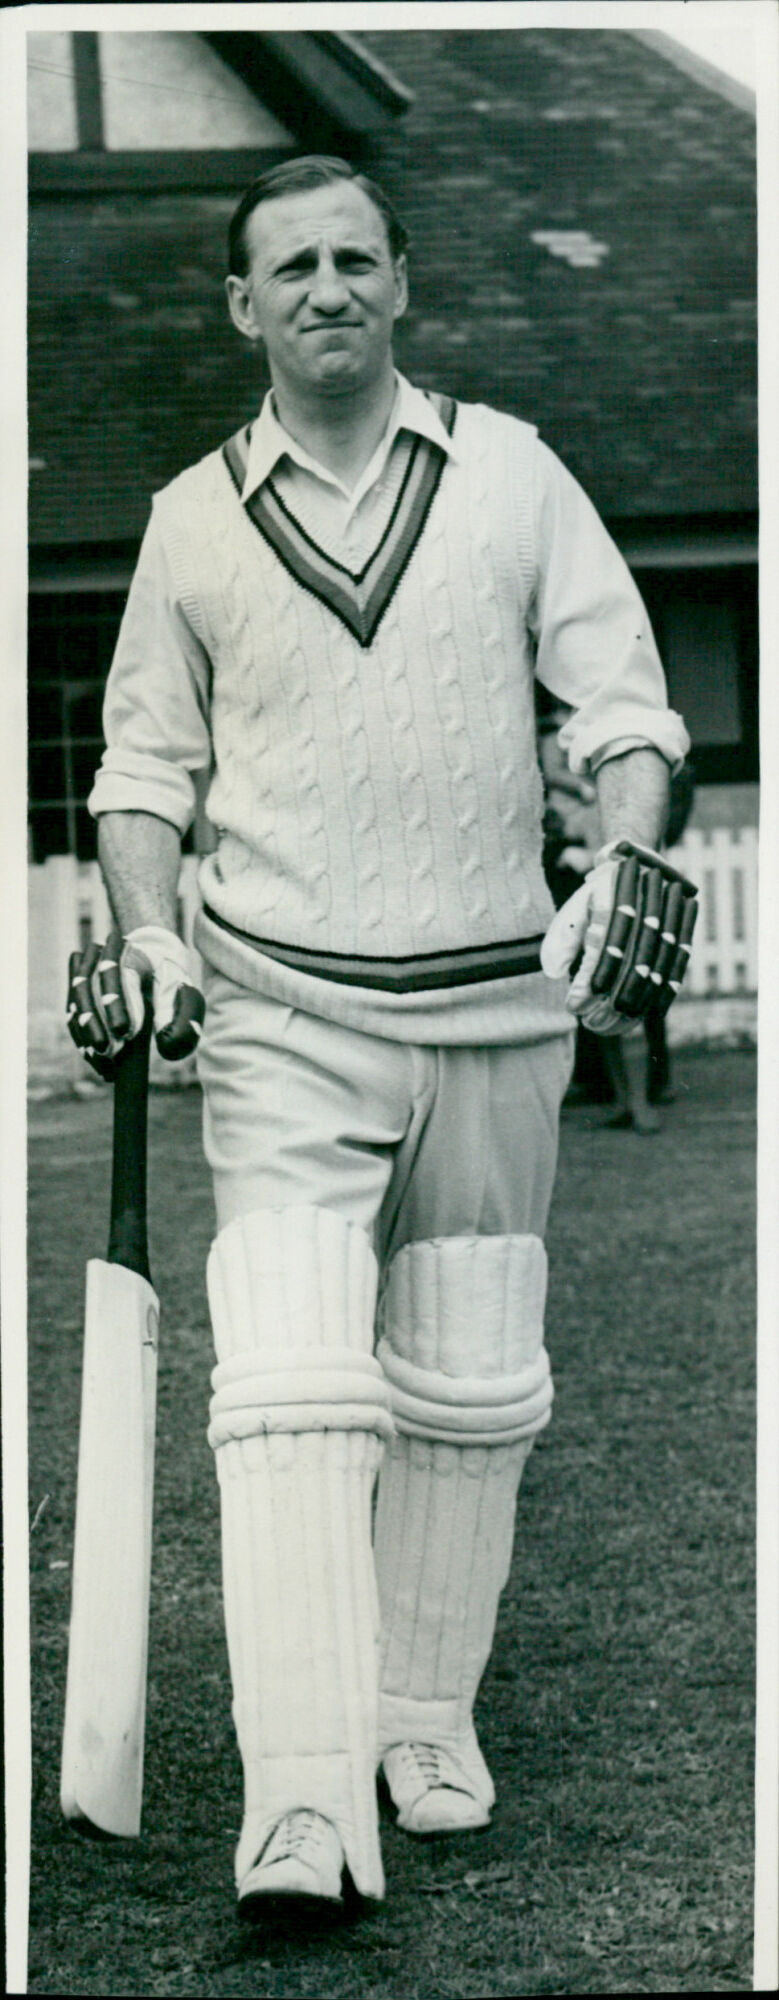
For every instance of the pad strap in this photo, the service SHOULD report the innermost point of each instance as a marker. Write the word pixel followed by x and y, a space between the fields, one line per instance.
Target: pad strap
pixel 314 1390
pixel 468 1409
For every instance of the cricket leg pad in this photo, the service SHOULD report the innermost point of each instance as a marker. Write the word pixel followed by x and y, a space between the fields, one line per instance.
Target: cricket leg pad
pixel 298 1418
pixel 463 1351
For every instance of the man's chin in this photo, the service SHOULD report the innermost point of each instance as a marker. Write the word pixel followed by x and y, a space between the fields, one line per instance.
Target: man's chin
pixel 338 369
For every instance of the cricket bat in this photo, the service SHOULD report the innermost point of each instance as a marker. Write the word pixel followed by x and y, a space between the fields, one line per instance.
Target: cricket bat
pixel 105 1699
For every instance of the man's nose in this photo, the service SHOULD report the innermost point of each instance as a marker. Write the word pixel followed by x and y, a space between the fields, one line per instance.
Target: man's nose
pixel 329 291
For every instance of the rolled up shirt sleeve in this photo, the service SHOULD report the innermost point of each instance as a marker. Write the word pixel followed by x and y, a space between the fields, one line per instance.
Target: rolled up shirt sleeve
pixel 157 699
pixel 595 648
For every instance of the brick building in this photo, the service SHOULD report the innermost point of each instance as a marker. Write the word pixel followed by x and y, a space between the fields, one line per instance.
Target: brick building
pixel 582 216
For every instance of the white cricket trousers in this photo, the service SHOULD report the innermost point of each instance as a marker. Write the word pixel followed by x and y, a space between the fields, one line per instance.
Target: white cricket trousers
pixel 407 1140
pixel 349 1168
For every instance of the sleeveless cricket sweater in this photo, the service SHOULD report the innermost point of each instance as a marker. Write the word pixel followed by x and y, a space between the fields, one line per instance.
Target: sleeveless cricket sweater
pixel 376 792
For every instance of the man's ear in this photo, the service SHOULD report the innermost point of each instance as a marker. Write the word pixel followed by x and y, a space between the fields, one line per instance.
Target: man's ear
pixel 401 286
pixel 240 307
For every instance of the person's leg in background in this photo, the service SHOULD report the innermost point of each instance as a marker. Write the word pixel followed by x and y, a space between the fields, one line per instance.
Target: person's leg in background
pixel 590 1082
pixel 659 1089
pixel 634 1112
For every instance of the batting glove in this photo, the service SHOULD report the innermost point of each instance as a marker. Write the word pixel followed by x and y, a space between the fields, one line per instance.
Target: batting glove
pixel 626 934
pixel 107 989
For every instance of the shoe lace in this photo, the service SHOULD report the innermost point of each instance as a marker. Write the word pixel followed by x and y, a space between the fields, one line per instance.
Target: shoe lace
pixel 427 1758
pixel 293 1832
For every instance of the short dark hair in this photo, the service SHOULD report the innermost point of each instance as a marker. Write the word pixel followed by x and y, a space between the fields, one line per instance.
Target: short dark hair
pixel 295 177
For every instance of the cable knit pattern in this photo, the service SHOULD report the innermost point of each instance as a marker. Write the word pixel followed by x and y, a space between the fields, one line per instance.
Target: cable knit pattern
pixel 413 800
pixel 458 749
pixel 519 817
pixel 366 853
pixel 379 799
pixel 312 863
pixel 375 787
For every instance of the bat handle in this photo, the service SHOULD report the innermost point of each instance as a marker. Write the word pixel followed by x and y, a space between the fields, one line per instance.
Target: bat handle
pixel 127 1240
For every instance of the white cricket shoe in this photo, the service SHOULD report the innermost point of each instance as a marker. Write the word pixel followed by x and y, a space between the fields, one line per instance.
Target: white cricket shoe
pixel 433 1791
pixel 303 1859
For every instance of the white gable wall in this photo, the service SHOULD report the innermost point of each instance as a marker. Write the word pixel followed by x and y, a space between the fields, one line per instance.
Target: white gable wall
pixel 167 90
pixel 160 92
pixel 51 102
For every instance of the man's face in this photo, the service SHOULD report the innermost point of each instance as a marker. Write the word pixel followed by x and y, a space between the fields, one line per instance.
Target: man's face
pixel 323 291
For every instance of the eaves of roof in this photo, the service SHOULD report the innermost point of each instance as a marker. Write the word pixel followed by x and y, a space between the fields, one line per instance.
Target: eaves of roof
pixel 728 87
pixel 323 81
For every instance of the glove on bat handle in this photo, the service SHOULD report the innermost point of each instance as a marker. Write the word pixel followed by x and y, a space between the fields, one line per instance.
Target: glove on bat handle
pixel 127 1239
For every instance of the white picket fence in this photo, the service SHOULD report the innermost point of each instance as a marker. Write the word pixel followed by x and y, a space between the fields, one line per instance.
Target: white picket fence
pixel 68 907
pixel 723 863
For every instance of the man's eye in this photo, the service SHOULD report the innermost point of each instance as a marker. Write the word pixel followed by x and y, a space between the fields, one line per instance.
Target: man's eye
pixel 299 269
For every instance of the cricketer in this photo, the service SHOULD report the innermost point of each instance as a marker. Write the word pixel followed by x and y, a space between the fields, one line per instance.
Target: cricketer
pixel 335 622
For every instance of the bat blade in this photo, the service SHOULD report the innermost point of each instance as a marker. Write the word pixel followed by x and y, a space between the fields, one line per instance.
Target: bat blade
pixel 105 1700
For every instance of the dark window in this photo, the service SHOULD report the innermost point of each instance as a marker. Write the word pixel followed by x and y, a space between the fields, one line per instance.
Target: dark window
pixel 706 625
pixel 71 641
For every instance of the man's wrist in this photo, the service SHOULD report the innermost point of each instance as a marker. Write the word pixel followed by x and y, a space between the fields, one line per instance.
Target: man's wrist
pixel 633 793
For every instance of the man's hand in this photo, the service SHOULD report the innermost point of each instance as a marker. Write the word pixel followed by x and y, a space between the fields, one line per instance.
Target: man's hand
pixel 107 985
pixel 626 933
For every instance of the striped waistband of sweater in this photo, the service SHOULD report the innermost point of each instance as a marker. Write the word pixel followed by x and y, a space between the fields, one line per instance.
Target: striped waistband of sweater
pixel 424 973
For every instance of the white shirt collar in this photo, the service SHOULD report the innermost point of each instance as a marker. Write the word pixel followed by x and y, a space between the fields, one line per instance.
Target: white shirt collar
pixel 411 411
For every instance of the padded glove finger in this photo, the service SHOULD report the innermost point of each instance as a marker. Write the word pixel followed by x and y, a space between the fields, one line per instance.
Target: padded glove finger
pixel 121 1024
pixel 640 896
pixel 647 943
pixel 670 932
pixel 84 1024
pixel 97 1016
pixel 673 978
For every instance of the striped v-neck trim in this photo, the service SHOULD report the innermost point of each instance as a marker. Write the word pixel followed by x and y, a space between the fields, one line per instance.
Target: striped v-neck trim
pixel 360 600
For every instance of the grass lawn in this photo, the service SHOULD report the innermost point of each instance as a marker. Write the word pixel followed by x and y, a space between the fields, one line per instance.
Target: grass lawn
pixel 617 1710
